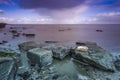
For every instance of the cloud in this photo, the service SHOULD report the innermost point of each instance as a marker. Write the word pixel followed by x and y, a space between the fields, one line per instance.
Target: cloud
pixel 7 2
pixel 108 17
pixel 61 11
pixel 25 20
pixel 109 14
pixel 1 11
pixel 50 4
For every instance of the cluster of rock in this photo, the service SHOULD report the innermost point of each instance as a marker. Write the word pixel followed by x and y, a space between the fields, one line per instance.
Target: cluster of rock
pixel 93 62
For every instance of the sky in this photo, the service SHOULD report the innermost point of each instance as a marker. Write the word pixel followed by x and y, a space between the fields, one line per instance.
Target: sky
pixel 60 11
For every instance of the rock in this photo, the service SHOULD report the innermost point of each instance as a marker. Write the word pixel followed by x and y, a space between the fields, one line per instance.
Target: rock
pixel 9 53
pixel 91 73
pixel 2 25
pixel 95 56
pixel 28 34
pixel 51 41
pixel 98 30
pixel 25 75
pixel 40 56
pixel 8 68
pixel 60 51
pixel 27 46
pixel 82 48
pixel 13 31
pixel 117 64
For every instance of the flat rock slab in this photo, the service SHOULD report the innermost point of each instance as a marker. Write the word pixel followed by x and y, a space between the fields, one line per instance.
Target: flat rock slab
pixel 96 74
pixel 27 46
pixel 7 69
pixel 40 56
pixel 95 56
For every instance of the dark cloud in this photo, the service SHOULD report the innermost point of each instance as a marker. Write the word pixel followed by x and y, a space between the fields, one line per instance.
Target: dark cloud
pixel 50 4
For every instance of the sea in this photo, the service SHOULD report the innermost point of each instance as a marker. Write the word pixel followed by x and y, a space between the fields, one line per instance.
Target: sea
pixel 107 36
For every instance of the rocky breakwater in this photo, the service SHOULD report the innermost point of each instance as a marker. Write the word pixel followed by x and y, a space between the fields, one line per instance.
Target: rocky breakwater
pixel 8 64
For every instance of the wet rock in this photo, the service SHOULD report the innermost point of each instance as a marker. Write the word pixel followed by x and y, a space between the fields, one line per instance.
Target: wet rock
pixel 95 56
pixel 27 46
pixel 8 68
pixel 28 34
pixel 40 56
pixel 13 31
pixel 51 41
pixel 2 25
pixel 25 75
pixel 60 51
pixel 9 53
pixel 91 73
pixel 4 41
pixel 117 65
pixel 98 30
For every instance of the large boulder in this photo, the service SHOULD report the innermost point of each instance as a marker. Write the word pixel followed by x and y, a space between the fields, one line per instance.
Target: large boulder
pixel 27 46
pixel 40 56
pixel 95 56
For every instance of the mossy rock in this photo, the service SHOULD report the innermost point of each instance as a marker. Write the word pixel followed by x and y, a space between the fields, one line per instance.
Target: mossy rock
pixel 13 55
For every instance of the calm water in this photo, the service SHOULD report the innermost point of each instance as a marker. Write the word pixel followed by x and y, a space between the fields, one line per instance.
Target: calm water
pixel 108 39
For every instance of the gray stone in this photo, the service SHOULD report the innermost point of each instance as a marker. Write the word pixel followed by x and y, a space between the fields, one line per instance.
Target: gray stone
pixel 95 56
pixel 117 64
pixel 60 52
pixel 40 56
pixel 91 73
pixel 7 68
pixel 27 46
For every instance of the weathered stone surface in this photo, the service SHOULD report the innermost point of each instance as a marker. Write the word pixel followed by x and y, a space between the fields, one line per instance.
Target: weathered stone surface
pixel 7 68
pixel 27 46
pixel 95 56
pixel 60 50
pixel 4 52
pixel 96 74
pixel 40 56
pixel 117 64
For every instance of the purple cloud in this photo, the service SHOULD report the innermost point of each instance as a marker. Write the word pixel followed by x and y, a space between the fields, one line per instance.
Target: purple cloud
pixel 1 11
pixel 6 2
pixel 50 4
